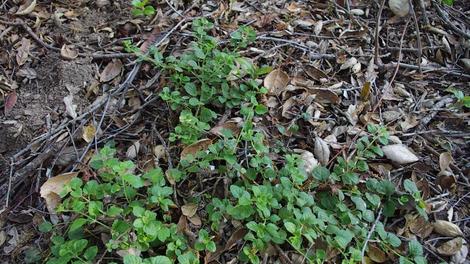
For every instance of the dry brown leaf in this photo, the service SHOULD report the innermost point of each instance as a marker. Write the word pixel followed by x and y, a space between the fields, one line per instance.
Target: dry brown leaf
pixel 70 107
pixel 450 247
pixel 111 71
pixel 445 159
pixel 399 153
pixel 322 151
pixel 51 189
pixel 309 161
pixel 348 63
pixel 22 52
pixel 10 101
pixel 195 220
pixel 159 151
pixel 400 8
pixel 447 228
pixel 376 254
pixel 233 125
pixel 89 133
pixel 276 81
pixel 324 96
pixel 197 146
pixel 189 210
pixel 315 73
pixel 133 150
pixel 365 91
pixel 26 8
pixel 461 256
pixel 318 28
pixel 418 225
pixel 68 52
pixel 3 237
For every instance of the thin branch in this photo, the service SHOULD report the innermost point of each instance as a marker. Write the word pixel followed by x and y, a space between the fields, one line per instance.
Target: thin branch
pixel 377 31
pixel 371 231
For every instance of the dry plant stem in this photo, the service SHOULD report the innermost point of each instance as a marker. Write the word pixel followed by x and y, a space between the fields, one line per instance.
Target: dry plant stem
pixel 430 69
pixel 397 67
pixel 283 254
pixel 418 35
pixel 377 31
pixel 449 23
pixel 372 229
pixel 22 24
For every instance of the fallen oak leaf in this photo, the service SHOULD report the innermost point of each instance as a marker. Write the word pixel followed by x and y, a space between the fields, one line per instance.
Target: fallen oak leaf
pixel 89 133
pixel 111 71
pixel 26 8
pixel 399 153
pixel 10 102
pixel 189 209
pixel 450 247
pixel 447 228
pixel 400 8
pixel 68 52
pixel 322 151
pixel 276 81
pixel 197 146
pixel 51 189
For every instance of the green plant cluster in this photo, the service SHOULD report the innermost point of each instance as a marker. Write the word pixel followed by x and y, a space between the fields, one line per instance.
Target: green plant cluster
pixel 142 8
pixel 330 210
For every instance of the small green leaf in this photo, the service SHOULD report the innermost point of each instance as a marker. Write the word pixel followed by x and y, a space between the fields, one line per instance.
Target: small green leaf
pixel 149 10
pixel 90 253
pixel 290 227
pixel 45 227
pixel 343 238
pixel 321 173
pixel 133 180
pixel 76 224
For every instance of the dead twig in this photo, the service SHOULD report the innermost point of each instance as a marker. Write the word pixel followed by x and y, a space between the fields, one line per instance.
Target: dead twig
pixel 428 69
pixel 371 231
pixel 418 35
pixel 22 24
pixel 377 31
pixel 444 16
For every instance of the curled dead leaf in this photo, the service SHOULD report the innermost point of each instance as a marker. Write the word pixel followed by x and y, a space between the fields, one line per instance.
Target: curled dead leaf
pixel 197 146
pixel 400 8
pixel 10 102
pixel 22 52
pixel 418 225
pixel 89 133
pixel 68 52
pixel 276 81
pixel 189 209
pixel 376 254
pixel 233 125
pixel 309 161
pixel 70 107
pixel 133 150
pixel 26 8
pixel 445 159
pixel 450 247
pixel 461 256
pixel 447 228
pixel 51 189
pixel 325 96
pixel 322 151
pixel 399 153
pixel 111 71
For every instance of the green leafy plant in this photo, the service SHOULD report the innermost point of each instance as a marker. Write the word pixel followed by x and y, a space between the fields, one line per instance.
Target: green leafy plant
pixel 142 8
pixel 448 2
pixel 462 99
pixel 329 211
